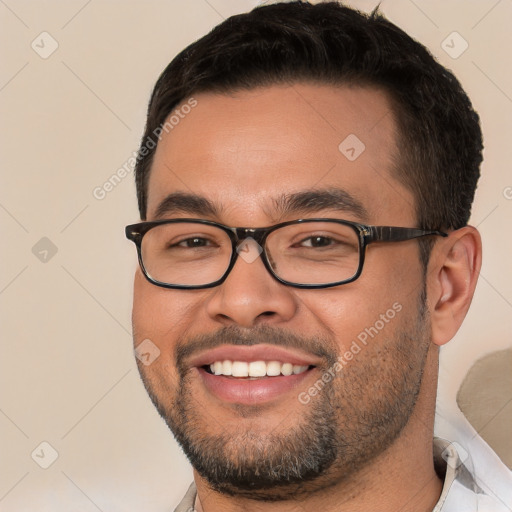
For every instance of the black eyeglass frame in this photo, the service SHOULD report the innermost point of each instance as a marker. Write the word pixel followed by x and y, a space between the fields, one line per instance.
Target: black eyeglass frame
pixel 366 235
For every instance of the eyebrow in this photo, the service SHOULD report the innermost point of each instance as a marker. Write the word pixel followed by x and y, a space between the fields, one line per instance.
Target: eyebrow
pixel 311 201
pixel 189 204
pixel 304 202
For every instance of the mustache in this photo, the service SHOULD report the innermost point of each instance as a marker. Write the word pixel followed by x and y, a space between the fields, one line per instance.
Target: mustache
pixel 235 335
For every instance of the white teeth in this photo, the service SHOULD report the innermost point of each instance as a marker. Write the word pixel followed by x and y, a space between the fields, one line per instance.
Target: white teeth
pixel 287 369
pixel 226 367
pixel 240 369
pixel 299 369
pixel 217 368
pixel 273 368
pixel 255 368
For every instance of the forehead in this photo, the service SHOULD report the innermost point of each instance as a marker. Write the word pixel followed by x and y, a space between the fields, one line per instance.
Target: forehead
pixel 246 151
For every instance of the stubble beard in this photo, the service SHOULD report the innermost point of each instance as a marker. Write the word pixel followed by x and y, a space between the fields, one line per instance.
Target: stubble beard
pixel 352 420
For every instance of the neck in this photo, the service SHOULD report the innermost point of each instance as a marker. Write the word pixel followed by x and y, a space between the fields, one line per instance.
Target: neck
pixel 401 478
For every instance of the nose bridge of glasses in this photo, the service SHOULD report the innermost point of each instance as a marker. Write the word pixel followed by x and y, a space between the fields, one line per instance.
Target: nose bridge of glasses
pixel 257 234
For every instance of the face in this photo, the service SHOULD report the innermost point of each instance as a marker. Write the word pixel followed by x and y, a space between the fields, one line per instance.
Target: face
pixel 356 352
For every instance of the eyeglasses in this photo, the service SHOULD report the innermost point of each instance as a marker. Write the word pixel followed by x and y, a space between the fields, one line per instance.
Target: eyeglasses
pixel 304 253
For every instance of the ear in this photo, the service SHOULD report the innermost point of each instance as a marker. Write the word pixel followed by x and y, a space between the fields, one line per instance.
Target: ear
pixel 453 272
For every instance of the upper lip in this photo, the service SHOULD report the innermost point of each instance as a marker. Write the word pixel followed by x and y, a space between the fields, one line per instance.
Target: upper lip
pixel 260 352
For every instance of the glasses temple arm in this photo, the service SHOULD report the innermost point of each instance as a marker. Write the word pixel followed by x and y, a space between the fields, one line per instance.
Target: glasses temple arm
pixel 394 234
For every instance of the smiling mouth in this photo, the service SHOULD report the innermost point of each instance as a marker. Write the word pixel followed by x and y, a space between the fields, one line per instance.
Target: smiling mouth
pixel 254 369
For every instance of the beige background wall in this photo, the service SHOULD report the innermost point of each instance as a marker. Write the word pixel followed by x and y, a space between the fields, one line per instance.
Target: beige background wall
pixel 68 122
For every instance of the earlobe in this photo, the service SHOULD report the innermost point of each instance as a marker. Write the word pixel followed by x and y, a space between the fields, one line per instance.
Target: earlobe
pixel 453 273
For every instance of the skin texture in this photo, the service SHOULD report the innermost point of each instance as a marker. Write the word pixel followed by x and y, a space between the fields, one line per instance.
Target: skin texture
pixel 243 151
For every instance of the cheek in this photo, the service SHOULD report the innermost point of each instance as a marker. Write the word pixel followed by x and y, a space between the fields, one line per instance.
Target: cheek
pixel 159 314
pixel 393 268
pixel 371 308
pixel 346 315
pixel 144 302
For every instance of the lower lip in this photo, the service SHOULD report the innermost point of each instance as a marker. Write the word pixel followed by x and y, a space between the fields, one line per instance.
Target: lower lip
pixel 250 391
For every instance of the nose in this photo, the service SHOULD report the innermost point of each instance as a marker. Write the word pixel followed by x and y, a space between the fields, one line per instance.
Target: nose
pixel 250 295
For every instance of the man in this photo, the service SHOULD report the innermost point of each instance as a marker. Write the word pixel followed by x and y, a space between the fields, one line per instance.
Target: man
pixel 305 182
